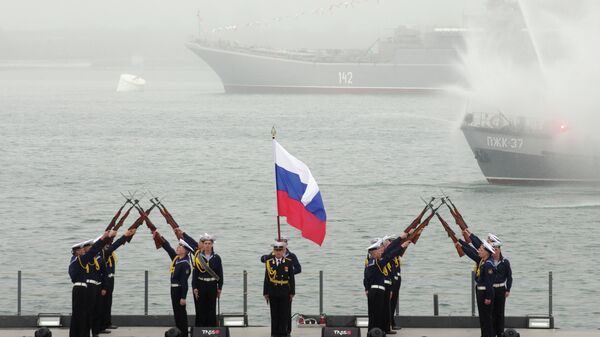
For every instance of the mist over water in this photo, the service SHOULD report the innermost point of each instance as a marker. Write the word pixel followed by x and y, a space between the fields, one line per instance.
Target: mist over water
pixel 536 59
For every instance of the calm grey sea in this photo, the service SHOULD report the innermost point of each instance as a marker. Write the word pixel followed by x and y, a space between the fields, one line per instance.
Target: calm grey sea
pixel 69 144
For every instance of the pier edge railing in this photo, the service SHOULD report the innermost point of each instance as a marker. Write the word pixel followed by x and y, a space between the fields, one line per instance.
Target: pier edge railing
pixel 410 321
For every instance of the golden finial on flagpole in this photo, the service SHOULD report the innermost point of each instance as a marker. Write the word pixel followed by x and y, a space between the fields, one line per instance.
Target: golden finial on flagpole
pixel 273 132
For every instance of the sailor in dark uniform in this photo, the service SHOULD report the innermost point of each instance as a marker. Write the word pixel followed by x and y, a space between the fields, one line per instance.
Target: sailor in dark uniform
pixel 279 289
pixel 110 259
pixel 389 285
pixel 297 269
pixel 484 277
pixel 79 268
pixel 502 284
pixel 394 266
pixel 180 272
pixel 375 276
pixel 207 279
pixel 96 280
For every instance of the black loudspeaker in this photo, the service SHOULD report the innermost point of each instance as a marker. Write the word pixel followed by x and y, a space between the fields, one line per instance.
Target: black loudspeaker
pixel 173 332
pixel 511 333
pixel 331 331
pixel 210 332
pixel 375 332
pixel 43 332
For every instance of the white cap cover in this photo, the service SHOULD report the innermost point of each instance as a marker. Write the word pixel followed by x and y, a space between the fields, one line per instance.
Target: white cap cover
pixel 375 245
pixel 207 237
pixel 278 245
pixel 185 245
pixel 488 246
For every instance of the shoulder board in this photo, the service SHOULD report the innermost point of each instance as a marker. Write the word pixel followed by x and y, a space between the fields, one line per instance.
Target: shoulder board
pixel 490 262
pixel 288 259
pixel 370 262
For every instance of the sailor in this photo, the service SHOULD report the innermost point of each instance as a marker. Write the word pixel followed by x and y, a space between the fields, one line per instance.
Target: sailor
pixel 396 282
pixel 374 278
pixel 296 264
pixel 389 284
pixel 180 272
pixel 502 284
pixel 207 279
pixel 484 277
pixel 279 289
pixel 83 254
pixel 110 259
pixel 96 280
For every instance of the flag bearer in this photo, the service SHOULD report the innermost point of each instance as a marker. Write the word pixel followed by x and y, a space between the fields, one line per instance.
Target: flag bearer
pixel 279 289
pixel 295 263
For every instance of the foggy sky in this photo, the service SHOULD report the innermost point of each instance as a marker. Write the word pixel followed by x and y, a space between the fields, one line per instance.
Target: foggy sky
pixel 82 28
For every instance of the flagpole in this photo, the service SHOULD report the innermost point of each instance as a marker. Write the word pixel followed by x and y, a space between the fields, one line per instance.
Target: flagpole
pixel 273 133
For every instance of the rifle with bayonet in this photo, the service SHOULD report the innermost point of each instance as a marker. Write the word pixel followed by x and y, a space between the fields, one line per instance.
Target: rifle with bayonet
pixel 452 235
pixel 140 220
pixel 158 240
pixel 118 214
pixel 414 237
pixel 168 217
pixel 457 216
pixel 417 220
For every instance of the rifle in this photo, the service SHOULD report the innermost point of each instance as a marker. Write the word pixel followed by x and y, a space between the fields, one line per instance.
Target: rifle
pixel 457 217
pixel 417 220
pixel 122 220
pixel 452 235
pixel 414 237
pixel 167 215
pixel 139 221
pixel 116 217
pixel 158 241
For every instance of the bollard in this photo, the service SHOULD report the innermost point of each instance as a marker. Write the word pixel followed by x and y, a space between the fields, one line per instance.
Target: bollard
pixel 436 311
pixel 245 277
pixel 321 292
pixel 19 293
pixel 145 292
pixel 550 294
pixel 472 293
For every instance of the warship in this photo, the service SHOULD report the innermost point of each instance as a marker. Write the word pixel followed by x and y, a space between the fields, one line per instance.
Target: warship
pixel 411 60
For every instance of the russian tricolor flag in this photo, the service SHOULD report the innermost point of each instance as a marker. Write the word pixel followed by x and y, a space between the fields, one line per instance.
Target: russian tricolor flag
pixel 298 196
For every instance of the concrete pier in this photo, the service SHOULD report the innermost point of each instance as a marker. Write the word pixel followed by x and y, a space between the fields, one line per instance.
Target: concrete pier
pixel 308 332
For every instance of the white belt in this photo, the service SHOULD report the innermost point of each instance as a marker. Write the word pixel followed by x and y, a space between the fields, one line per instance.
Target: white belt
pixel 387 281
pixel 377 287
pixel 480 287
pixel 207 279
pixel 499 285
pixel 81 284
pixel 396 278
pixel 94 282
pixel 110 275
pixel 174 285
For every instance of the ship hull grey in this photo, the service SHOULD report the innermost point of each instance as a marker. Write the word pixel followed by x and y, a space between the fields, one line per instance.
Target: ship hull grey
pixel 513 158
pixel 242 72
